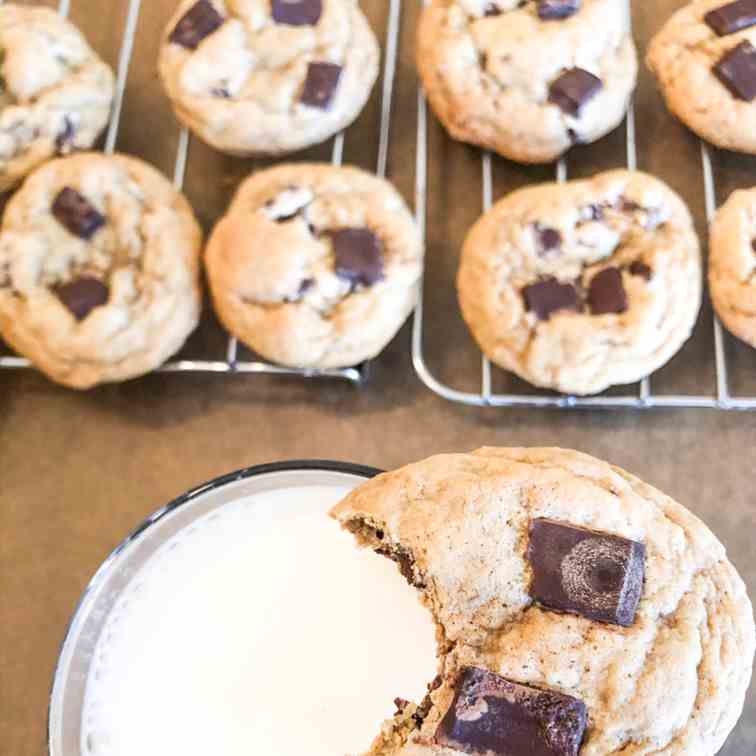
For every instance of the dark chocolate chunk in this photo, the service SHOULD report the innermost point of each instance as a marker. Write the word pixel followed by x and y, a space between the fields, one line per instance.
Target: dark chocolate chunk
pixel 574 89
pixel 596 575
pixel 297 12
pixel 75 213
pixel 401 704
pixel 549 296
pixel 358 255
pixel 555 10
pixel 492 716
pixel 492 10
pixel 595 212
pixel 82 295
pixel 638 268
pixel 221 92
pixel 306 285
pixel 320 85
pixel 753 245
pixel 65 137
pixel 549 239
pixel 629 206
pixel 737 71
pixel 606 293
pixel 406 563
pixel 200 21
pixel 732 17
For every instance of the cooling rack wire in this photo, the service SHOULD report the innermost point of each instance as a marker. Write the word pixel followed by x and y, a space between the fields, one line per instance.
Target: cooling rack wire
pixel 721 398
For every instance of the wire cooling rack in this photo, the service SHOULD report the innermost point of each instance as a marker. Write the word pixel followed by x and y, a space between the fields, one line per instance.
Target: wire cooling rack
pixel 720 398
pixel 230 363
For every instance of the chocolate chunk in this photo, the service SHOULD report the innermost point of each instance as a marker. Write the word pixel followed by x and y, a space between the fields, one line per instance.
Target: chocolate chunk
pixel 549 296
pixel 737 71
pixel 638 268
pixel 732 17
pixel 306 285
pixel 629 206
pixel 555 10
pixel 405 561
pixel 753 245
pixel 596 575
pixel 401 704
pixel 65 137
pixel 492 10
pixel 359 255
pixel 220 92
pixel 574 89
pixel 549 239
pixel 75 213
pixel 492 716
pixel 606 293
pixel 82 295
pixel 200 21
pixel 320 85
pixel 297 12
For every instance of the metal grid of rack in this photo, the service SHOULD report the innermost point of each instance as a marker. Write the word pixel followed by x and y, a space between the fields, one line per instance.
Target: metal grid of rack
pixel 721 398
pixel 230 363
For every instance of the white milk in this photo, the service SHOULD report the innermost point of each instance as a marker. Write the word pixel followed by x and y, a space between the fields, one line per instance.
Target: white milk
pixel 260 630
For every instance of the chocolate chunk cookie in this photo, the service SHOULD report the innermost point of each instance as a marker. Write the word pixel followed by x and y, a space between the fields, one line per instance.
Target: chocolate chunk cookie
pixel 268 77
pixel 705 60
pixel 315 266
pixel 732 264
pixel 55 92
pixel 579 610
pixel 579 286
pixel 99 269
pixel 527 79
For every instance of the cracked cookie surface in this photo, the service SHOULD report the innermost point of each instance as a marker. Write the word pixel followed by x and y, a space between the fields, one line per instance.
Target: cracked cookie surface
pixel 55 92
pixel 673 682
pixel 683 55
pixel 256 77
pixel 315 266
pixel 583 285
pixel 99 269
pixel 490 69
pixel 732 264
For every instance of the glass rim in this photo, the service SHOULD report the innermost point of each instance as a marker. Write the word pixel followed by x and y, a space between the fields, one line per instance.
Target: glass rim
pixel 111 560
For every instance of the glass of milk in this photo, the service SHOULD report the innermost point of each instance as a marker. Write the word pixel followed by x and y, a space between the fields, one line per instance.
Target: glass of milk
pixel 241 620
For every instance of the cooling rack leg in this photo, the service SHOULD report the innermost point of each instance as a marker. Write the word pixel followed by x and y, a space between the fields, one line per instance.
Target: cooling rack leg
pixel 124 60
pixel 710 197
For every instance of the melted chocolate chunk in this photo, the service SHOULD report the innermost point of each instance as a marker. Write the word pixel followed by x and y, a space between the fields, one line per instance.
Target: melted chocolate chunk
pixel 753 245
pixel 82 295
pixel 320 85
pixel 65 137
pixel 606 293
pixel 401 704
pixel 549 296
pixel 732 17
pixel 75 213
pixel 492 10
pixel 638 268
pixel 359 256
pixel 549 239
pixel 556 10
pixel 200 21
pixel 596 575
pixel 306 285
pixel 491 715
pixel 297 12
pixel 574 89
pixel 406 564
pixel 737 71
